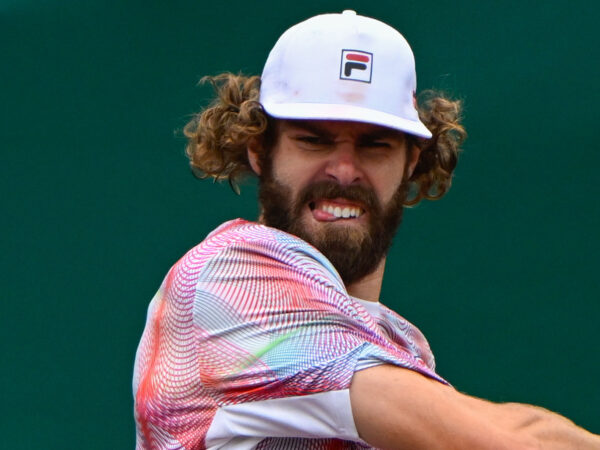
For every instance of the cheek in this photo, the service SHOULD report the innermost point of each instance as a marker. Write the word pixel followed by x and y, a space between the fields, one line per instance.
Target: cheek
pixel 387 182
pixel 294 172
pixel 386 193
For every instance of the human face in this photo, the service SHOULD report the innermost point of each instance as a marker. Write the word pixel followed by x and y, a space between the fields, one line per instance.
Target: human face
pixel 339 186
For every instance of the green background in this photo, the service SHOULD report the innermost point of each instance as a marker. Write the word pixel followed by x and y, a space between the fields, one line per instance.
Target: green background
pixel 98 201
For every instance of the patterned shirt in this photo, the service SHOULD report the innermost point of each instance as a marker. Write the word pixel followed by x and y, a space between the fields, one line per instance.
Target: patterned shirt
pixel 251 343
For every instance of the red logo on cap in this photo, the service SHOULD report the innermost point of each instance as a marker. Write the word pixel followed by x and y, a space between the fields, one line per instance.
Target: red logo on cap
pixel 357 57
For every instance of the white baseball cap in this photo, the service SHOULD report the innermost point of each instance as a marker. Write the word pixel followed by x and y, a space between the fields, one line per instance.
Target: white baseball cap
pixel 343 67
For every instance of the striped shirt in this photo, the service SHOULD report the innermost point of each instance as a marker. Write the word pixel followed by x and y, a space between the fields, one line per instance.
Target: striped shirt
pixel 251 343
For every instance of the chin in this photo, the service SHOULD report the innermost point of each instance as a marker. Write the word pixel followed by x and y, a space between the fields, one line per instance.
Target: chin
pixel 347 235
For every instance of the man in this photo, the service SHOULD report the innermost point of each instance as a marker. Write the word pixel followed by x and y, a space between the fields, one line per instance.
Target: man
pixel 270 335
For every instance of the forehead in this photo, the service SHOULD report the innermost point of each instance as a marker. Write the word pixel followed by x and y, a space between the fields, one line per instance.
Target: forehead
pixel 336 127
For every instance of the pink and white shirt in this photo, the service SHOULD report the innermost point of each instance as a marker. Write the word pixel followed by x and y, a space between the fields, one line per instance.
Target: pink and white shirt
pixel 251 343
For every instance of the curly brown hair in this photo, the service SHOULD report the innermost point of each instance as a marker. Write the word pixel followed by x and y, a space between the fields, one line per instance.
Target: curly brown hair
pixel 218 136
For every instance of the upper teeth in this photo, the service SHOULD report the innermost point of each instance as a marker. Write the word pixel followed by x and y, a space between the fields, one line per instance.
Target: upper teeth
pixel 339 212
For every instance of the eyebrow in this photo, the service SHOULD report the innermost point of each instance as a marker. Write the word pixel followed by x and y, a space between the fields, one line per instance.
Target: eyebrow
pixel 384 133
pixel 311 127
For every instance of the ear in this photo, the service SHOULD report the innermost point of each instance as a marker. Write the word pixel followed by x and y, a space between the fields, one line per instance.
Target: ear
pixel 413 156
pixel 252 151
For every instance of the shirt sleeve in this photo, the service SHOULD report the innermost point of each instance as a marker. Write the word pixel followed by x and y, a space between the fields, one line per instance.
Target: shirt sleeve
pixel 279 322
pixel 248 333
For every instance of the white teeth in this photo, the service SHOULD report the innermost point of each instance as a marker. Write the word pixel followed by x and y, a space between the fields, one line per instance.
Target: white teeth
pixel 339 212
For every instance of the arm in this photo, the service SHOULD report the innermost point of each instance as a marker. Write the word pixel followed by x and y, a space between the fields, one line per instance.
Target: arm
pixel 395 408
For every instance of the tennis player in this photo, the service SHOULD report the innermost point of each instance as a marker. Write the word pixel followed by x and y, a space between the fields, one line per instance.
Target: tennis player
pixel 271 334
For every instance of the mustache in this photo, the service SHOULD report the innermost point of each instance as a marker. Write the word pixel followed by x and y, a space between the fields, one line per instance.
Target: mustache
pixel 331 190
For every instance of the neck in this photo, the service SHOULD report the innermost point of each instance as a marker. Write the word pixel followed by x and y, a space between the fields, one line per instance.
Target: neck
pixel 369 287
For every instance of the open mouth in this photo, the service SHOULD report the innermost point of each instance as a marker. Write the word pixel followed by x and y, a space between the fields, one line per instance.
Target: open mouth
pixel 335 209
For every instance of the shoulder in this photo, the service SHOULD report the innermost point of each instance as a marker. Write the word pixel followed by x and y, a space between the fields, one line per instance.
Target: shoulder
pixel 239 244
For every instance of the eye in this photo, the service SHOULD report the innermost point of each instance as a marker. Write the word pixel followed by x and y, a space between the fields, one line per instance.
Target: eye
pixel 376 144
pixel 312 140
pixel 309 139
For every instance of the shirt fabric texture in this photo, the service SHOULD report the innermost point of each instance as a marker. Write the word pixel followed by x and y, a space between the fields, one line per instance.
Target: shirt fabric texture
pixel 251 343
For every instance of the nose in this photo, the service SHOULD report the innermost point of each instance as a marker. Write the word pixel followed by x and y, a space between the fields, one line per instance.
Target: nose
pixel 344 165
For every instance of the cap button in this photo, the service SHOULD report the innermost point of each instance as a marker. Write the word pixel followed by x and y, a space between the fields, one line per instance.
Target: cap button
pixel 349 12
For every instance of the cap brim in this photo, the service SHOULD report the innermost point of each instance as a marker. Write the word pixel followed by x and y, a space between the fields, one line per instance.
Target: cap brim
pixel 319 111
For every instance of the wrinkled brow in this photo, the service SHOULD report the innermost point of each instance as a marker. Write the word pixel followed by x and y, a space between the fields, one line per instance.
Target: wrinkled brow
pixel 315 128
pixel 310 126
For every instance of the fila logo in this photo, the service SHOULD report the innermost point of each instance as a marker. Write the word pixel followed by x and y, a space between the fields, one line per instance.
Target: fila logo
pixel 356 65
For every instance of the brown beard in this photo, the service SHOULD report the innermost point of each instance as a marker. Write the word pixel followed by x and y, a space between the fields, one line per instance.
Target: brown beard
pixel 353 251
